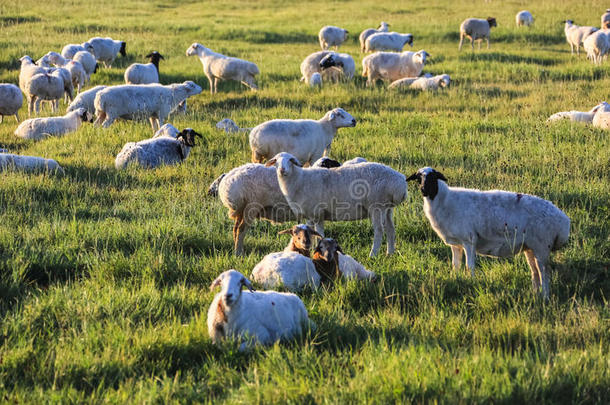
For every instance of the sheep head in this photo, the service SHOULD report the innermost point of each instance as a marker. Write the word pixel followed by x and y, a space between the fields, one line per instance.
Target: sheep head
pixel 326 163
pixel 285 163
pixel 155 57
pixel 187 136
pixel 330 61
pixel 340 118
pixel 194 48
pixel 123 51
pixel 326 259
pixel 231 282
pixel 492 22
pixel 428 178
pixel 301 237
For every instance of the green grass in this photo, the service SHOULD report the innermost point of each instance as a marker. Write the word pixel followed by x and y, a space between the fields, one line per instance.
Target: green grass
pixel 104 275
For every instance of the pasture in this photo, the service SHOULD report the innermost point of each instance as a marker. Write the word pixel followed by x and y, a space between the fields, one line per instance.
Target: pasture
pixel 104 275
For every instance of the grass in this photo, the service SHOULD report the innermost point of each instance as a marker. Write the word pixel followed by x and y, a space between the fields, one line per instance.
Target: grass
pixel 104 275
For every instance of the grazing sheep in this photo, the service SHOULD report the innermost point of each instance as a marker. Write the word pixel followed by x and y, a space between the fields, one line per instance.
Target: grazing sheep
pixel 70 50
pixel 597 46
pixel 88 61
pixel 86 100
pixel 76 69
pixel 10 161
pixel 390 66
pixel 578 116
pixel 262 317
pixel 341 60
pixel 476 29
pixel 308 140
pixel 288 269
pixel 524 18
pixel 311 65
pixel 388 41
pixel 28 70
pixel 106 49
pixel 141 101
pixel 229 126
pixel 331 36
pixel 346 193
pixel 157 151
pixel 44 86
pixel 139 73
pixel 11 100
pixel 301 239
pixel 575 34
pixel 601 119
pixel 493 223
pixel 383 27
pixel 606 20
pixel 422 83
pixel 40 128
pixel 220 67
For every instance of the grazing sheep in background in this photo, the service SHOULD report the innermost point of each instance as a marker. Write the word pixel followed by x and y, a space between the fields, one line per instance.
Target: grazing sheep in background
pixel 331 36
pixel 86 100
pixel 76 69
pixel 262 317
pixel 301 239
pixel 311 65
pixel 476 29
pixel 229 126
pixel 220 67
pixel 390 66
pixel 606 20
pixel 28 70
pixel 88 61
pixel 341 60
pixel 597 46
pixel 601 118
pixel 288 269
pixel 578 116
pixel 422 83
pixel 388 41
pixel 493 223
pixel 307 140
pixel 10 161
pixel 524 18
pixel 65 75
pixel 11 100
pixel 139 73
pixel 383 27
pixel 39 128
pixel 44 86
pixel 106 49
pixel 575 35
pixel 70 50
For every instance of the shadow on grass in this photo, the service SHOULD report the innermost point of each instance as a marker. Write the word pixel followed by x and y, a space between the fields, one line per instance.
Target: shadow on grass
pixel 7 20
pixel 262 37
pixel 243 102
pixel 506 58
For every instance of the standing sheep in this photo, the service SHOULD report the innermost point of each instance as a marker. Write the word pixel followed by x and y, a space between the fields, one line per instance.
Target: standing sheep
pixel 44 86
pixel 11 100
pixel 476 29
pixel 388 41
pixel 341 60
pixel 139 73
pixel 331 36
pixel 40 128
pixel 597 46
pixel 106 49
pixel 383 27
pixel 88 61
pixel 70 50
pixel 392 66
pixel 86 100
pixel 524 18
pixel 76 69
pixel 575 34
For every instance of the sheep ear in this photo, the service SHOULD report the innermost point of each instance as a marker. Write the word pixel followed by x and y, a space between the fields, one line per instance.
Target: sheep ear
pixel 270 162
pixel 216 283
pixel 333 115
pixel 441 176
pixel 248 284
pixel 149 55
pixel 339 249
pixel 414 176
pixel 285 231
pixel 161 56
pixel 295 162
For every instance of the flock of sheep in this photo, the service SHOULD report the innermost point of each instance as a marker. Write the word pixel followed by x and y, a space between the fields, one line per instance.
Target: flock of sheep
pixel 291 177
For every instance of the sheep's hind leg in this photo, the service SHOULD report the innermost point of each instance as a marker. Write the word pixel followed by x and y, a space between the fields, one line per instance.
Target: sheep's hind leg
pixel 531 261
pixel 240 234
pixel 470 257
pixel 544 274
pixel 390 231
pixel 461 42
pixel 108 121
pixel 456 256
pixel 377 221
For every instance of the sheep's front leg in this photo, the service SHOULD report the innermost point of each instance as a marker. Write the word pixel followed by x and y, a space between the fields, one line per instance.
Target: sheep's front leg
pixel 487 42
pixel 239 235
pixel 108 121
pixel 544 274
pixel 531 261
pixel 461 42
pixel 470 257
pixel 377 221
pixel 456 256
pixel 390 231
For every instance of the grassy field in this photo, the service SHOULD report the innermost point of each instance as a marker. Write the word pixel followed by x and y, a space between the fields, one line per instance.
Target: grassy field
pixel 104 275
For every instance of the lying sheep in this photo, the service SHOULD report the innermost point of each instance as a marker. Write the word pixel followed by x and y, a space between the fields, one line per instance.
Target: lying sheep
pixel 601 118
pixel 383 27
pixel 107 49
pixel 575 34
pixel 597 46
pixel 606 20
pixel 422 83
pixel 11 100
pixel 346 193
pixel 388 41
pixel 262 317
pixel 331 263
pixel 578 116
pixel 493 223
pixel 141 101
pixel 76 69
pixel 88 61
pixel 390 66
pixel 329 163
pixel 70 50
pixel 331 36
pixel 40 128
pixel 10 161
pixel 157 151
pixel 308 140
pixel 288 269
pixel 220 67
pixel 86 100
pixel 524 18
pixel 341 60
pixel 476 29
pixel 139 73
pixel 229 126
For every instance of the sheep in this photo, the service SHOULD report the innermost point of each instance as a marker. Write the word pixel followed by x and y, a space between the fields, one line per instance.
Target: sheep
pixel 139 73
pixel 167 130
pixel 88 61
pixel 308 140
pixel 346 193
pixel 10 161
pixel 606 20
pixel 493 223
pixel 578 116
pixel 331 163
pixel 229 126
pixel 331 263
pixel 315 80
pixel 44 86
pixel 28 70
pixel 106 49
pixel 393 66
pixel 601 119
pixel 342 60
pixel 387 41
pixel 597 46
pixel 575 34
pixel 476 29
pixel 301 239
pixel 383 27
pixel 64 73
pixel 141 101
pixel 422 83
pixel 40 128
pixel 220 67
pixel 76 69
pixel 11 100
pixel 331 36
pixel 311 65
pixel 288 269
pixel 70 50
pixel 262 317
pixel 154 152
pixel 86 100
pixel 524 18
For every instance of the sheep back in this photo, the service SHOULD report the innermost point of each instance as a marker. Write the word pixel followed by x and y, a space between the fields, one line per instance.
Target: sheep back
pixel 290 269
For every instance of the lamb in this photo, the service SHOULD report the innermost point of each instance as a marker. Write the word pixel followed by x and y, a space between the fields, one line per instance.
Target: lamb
pixel 301 239
pixel 40 128
pixel 606 20
pixel 11 100
pixel 141 101
pixel 70 50
pixel 575 34
pixel 346 193
pixel 262 317
pixel 422 83
pixel 387 41
pixel 88 61
pixel 44 86
pixel 167 130
pixel 86 100
pixel 288 269
pixel 154 152
pixel 307 140
pixel 383 27
pixel 220 67
pixel 601 119
pixel 393 66
pixel 493 223
pixel 342 60
pixel 524 18
pixel 578 116
pixel 476 29
pixel 76 69
pixel 331 36
pixel 597 46
pixel 106 49
pixel 139 73
pixel 10 161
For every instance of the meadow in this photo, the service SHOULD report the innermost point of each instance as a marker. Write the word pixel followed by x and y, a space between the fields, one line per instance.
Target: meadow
pixel 104 275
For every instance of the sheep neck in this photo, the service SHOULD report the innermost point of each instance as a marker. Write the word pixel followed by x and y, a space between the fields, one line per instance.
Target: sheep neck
pixel 328 271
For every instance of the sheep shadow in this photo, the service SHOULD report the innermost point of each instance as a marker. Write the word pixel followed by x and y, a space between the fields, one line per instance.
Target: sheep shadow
pixel 263 37
pixel 243 102
pixel 506 58
pixel 585 279
pixel 8 20
pixel 101 177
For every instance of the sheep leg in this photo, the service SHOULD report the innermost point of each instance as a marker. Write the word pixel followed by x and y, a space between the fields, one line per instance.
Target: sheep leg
pixel 101 116
pixel 487 42
pixel 531 261
pixel 249 82
pixel 389 230
pixel 377 221
pixel 470 257
pixel 17 117
pixel 108 121
pixel 240 234
pixel 461 42
pixel 456 256
pixel 544 274
pixel 30 105
pixel 2 119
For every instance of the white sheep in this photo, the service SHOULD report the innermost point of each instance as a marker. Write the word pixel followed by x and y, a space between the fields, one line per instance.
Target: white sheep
pixel 64 73
pixel 70 50
pixel 575 34
pixel 86 100
pixel 44 86
pixel 229 126
pixel 390 66
pixel 601 119
pixel 40 128
pixel 88 61
pixel 383 27
pixel 597 46
pixel 331 163
pixel 331 36
pixel 76 69
pixel 308 140
pixel 606 20
pixel 578 116
pixel 311 65
pixel 106 49
pixel 341 60
pixel 139 73
pixel 524 18
pixel 11 100
pixel 220 67
pixel 141 101
pixel 346 193
pixel 387 41
pixel 167 130
pixel 289 269
pixel 157 151
pixel 422 83
pixel 9 161
pixel 476 29
pixel 262 317
pixel 315 80
pixel 28 70
pixel 493 223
